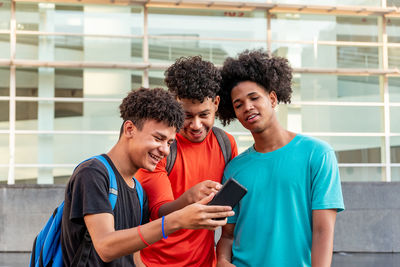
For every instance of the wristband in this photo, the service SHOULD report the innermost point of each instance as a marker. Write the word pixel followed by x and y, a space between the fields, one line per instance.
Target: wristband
pixel 141 237
pixel 162 228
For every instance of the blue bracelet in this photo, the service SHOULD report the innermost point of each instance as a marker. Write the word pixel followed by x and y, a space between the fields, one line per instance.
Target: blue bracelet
pixel 162 227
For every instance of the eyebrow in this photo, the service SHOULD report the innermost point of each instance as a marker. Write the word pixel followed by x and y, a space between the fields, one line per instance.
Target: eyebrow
pixel 249 94
pixel 203 111
pixel 161 135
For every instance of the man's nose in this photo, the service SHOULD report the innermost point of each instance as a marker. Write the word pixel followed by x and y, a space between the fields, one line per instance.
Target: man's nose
pixel 164 149
pixel 195 124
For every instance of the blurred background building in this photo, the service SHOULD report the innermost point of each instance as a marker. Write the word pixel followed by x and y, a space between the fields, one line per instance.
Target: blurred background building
pixel 65 65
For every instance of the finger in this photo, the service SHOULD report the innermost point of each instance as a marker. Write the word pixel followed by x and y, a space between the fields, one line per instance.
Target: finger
pixel 208 190
pixel 206 199
pixel 216 208
pixel 221 214
pixel 212 184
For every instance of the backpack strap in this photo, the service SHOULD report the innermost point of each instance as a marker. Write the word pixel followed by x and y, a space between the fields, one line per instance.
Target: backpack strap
pixel 113 193
pixel 224 143
pixel 171 158
pixel 139 190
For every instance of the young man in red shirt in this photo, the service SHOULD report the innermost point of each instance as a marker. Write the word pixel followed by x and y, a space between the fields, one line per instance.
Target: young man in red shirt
pixel 197 170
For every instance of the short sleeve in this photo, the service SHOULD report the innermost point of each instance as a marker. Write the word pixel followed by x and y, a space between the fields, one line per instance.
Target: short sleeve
pixel 89 194
pixel 326 187
pixel 157 186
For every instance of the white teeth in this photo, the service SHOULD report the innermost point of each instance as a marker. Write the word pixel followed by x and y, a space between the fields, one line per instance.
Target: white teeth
pixel 154 157
pixel 252 116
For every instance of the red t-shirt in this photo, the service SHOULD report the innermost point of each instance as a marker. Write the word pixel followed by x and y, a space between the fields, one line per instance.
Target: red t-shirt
pixel 195 162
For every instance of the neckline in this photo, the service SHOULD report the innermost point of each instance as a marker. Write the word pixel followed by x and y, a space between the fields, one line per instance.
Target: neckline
pixel 277 151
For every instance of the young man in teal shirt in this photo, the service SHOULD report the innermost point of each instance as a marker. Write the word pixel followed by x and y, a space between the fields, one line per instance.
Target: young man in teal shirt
pixel 287 217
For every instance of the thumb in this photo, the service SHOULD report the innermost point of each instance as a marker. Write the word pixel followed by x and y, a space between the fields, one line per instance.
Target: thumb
pixel 207 199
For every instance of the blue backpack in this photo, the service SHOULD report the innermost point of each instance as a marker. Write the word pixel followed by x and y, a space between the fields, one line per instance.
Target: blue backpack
pixel 46 249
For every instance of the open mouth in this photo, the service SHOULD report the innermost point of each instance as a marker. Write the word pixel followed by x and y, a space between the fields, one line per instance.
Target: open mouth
pixel 155 158
pixel 196 134
pixel 252 117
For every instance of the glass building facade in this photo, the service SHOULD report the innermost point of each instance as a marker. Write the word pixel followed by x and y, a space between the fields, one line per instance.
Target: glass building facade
pixel 65 66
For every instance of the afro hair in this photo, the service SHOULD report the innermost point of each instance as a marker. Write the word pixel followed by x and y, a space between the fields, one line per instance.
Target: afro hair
pixel 272 73
pixel 156 104
pixel 193 78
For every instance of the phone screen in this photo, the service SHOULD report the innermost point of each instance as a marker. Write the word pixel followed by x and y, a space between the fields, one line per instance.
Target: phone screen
pixel 230 194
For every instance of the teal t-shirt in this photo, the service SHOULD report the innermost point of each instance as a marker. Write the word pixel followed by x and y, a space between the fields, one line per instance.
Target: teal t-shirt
pixel 274 219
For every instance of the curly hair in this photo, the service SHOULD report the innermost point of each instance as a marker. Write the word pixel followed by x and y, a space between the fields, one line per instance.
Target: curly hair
pixel 157 104
pixel 272 73
pixel 193 78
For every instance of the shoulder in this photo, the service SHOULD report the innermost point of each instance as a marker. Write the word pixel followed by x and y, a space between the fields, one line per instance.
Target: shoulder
pixel 89 170
pixel 313 144
pixel 240 160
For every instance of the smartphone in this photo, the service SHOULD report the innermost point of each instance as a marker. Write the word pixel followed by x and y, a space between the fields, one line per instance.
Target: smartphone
pixel 229 195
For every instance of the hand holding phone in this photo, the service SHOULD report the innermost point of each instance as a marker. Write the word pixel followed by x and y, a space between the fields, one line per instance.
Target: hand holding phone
pixel 229 195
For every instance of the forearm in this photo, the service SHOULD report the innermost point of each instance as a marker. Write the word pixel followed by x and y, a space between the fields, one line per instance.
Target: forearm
pixel 172 206
pixel 224 249
pixel 116 244
pixel 322 247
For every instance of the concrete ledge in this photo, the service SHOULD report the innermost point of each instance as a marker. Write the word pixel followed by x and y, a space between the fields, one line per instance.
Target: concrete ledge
pixel 24 209
pixel 370 222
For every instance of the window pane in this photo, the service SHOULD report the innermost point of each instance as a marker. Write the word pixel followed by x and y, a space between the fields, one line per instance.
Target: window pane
pixel 396 174
pixel 4 149
pixel 3 175
pixel 207 23
pixel 314 87
pixel 394 89
pixel 304 27
pixel 4 115
pixel 394 57
pixel 79 48
pixel 324 56
pixel 394 119
pixel 395 149
pixel 393 30
pixel 331 2
pixel 61 148
pixel 5 46
pixel 358 149
pixel 4 81
pixel 331 118
pixel 88 116
pixel 214 51
pixel 88 19
pixel 361 174
pixel 5 15
pixel 88 83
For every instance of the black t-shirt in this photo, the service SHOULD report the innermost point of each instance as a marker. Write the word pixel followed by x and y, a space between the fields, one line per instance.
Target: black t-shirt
pixel 87 193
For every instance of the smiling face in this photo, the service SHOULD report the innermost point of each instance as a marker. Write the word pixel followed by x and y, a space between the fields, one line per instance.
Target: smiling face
pixel 254 106
pixel 146 147
pixel 199 118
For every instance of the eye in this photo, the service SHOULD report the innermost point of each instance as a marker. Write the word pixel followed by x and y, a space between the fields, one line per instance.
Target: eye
pixel 158 138
pixel 237 106
pixel 204 115
pixel 254 98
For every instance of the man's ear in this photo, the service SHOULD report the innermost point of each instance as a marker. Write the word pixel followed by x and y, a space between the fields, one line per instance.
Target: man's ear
pixel 274 99
pixel 217 99
pixel 129 129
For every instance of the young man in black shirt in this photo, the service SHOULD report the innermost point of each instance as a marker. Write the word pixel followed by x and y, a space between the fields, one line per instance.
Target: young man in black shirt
pixel 151 120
